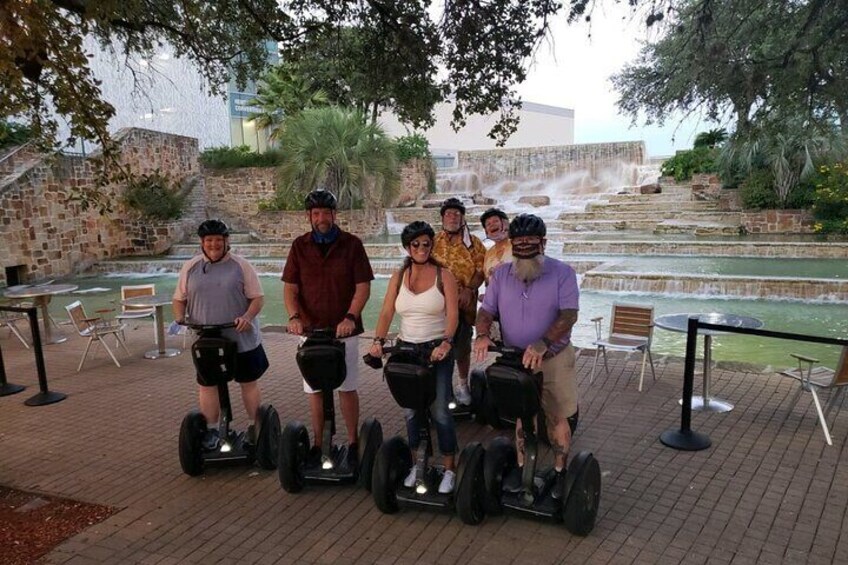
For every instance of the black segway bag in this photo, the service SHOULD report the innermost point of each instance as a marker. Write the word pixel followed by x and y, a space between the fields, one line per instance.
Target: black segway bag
pixel 514 390
pixel 215 360
pixel 411 381
pixel 321 360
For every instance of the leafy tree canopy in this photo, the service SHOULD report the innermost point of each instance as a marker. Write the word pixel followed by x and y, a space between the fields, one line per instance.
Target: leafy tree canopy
pixel 482 45
pixel 757 60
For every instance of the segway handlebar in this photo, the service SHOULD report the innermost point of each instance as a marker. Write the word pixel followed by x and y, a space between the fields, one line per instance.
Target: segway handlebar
pixel 508 350
pixel 377 362
pixel 207 327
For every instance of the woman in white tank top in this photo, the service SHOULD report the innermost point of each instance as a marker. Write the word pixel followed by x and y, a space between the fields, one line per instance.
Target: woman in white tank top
pixel 425 296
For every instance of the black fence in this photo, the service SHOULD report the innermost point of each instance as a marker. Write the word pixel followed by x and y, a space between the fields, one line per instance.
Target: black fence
pixel 685 438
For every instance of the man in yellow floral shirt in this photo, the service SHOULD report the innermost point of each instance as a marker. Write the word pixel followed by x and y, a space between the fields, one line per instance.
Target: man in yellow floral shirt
pixel 462 254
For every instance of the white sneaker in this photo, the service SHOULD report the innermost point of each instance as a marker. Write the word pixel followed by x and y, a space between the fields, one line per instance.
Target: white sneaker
pixel 409 481
pixel 462 395
pixel 447 483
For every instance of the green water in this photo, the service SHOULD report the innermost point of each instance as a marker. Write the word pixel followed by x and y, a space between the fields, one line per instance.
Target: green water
pixel 804 318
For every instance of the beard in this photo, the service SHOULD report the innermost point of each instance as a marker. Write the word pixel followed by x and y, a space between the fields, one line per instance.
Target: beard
pixel 528 270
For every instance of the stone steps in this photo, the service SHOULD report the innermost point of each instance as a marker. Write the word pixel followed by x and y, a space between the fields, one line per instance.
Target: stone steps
pixel 782 288
pixel 655 215
pixel 650 206
pixel 774 249
pixel 698 228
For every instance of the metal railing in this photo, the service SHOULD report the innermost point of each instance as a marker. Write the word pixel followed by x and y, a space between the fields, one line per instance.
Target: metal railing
pixel 685 438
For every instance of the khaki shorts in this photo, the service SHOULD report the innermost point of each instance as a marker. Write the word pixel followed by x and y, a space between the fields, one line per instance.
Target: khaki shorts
pixel 559 386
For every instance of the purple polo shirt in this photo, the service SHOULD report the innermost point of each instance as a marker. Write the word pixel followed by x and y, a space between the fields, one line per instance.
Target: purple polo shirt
pixel 526 311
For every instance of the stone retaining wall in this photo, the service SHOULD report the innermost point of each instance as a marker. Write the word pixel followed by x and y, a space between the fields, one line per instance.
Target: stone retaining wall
pixel 45 234
pixel 606 163
pixel 778 221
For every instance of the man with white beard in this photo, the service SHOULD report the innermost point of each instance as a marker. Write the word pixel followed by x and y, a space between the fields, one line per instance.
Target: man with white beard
pixel 536 299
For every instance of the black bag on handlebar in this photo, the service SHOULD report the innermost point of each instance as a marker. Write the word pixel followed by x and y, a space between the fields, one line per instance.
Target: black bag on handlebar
pixel 214 359
pixel 321 360
pixel 411 380
pixel 515 390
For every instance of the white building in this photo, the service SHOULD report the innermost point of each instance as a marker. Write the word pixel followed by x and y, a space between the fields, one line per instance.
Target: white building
pixel 168 94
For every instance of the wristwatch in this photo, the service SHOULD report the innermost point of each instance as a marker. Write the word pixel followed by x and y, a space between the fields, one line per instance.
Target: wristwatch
pixel 350 317
pixel 295 316
pixel 449 340
pixel 380 340
pixel 548 343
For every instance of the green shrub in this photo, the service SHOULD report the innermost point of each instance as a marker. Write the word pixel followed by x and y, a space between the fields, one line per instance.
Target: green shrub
pixel 284 199
pixel 757 191
pixel 13 134
pixel 830 199
pixel 155 197
pixel 686 163
pixel 414 146
pixel 236 157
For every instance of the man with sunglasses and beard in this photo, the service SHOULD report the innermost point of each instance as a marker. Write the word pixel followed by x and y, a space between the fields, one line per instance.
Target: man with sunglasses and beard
pixel 462 254
pixel 327 280
pixel 537 300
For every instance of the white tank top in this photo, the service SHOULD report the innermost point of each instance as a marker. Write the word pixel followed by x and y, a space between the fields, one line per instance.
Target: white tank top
pixel 422 316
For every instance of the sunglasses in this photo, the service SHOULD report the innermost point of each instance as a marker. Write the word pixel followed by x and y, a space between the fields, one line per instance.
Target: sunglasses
pixel 424 244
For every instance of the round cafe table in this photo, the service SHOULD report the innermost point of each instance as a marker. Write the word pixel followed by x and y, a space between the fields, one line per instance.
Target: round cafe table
pixel 680 323
pixel 159 302
pixel 41 295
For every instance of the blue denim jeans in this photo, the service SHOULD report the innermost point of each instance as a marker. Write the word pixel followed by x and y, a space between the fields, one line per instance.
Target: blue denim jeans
pixel 439 411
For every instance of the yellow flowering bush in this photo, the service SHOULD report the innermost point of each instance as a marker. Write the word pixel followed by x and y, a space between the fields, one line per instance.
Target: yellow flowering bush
pixel 830 201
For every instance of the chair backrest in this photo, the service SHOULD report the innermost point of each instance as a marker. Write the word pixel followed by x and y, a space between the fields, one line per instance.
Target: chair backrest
pixel 77 315
pixel 840 376
pixel 131 291
pixel 632 320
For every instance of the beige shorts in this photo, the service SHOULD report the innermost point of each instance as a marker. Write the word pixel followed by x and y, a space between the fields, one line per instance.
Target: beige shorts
pixel 559 386
pixel 351 382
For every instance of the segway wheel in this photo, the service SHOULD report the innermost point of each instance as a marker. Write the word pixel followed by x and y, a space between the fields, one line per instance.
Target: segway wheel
pixel 500 459
pixel 191 446
pixel 370 439
pixel 268 440
pixel 294 448
pixel 393 462
pixel 583 494
pixel 470 485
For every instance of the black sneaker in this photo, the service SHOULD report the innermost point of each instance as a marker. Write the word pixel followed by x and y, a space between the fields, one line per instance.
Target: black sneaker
pixel 353 455
pixel 211 439
pixel 512 480
pixel 250 436
pixel 558 489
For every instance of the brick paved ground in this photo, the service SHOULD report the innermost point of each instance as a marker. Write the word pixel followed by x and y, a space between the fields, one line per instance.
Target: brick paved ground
pixel 768 489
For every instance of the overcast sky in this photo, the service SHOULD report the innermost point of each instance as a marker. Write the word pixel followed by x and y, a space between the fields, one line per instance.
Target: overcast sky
pixel 574 69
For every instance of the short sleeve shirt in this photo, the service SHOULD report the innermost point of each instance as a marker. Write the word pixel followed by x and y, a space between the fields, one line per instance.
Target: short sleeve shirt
pixel 527 310
pixel 327 283
pixel 218 293
pixel 495 256
pixel 463 262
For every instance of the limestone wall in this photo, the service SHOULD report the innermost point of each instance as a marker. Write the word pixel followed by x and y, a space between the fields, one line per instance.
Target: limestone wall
pixel 607 164
pixel 46 234
pixel 778 221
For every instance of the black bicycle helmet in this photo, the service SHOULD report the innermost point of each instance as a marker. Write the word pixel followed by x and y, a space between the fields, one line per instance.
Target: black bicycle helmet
pixel 490 213
pixel 320 198
pixel 454 203
pixel 213 227
pixel 415 230
pixel 527 224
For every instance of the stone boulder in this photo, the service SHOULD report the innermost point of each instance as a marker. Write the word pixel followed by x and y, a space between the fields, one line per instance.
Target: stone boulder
pixel 535 200
pixel 481 200
pixel 652 188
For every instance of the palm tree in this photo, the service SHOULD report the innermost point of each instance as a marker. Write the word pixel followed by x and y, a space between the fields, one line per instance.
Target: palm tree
pixel 281 94
pixel 337 147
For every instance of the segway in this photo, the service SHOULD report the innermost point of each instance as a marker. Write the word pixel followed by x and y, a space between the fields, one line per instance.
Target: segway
pixel 214 359
pixel 412 383
pixel 321 359
pixel 515 392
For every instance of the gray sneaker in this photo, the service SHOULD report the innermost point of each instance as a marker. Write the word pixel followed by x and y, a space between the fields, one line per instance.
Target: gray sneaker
pixel 211 439
pixel 462 395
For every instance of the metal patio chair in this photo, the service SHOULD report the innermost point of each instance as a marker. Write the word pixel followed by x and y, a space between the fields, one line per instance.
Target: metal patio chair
pixel 631 330
pixel 813 379
pixel 95 330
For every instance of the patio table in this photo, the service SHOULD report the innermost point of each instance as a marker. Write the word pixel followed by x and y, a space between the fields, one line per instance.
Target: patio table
pixel 41 295
pixel 679 323
pixel 158 302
